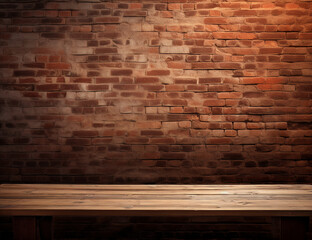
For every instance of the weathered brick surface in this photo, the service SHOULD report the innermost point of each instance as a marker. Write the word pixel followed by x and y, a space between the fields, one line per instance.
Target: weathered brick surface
pixel 167 91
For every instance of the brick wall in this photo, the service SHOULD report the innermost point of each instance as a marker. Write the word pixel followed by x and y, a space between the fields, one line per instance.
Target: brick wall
pixel 167 91
pixel 155 91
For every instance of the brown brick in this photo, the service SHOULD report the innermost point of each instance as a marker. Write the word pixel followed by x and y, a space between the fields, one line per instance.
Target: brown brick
pixel 163 140
pixel 214 103
pixel 203 65
pixel 85 133
pixel 224 35
pixel 107 80
pixel 100 87
pixel 121 72
pixel 218 141
pixel 56 95
pixel 230 95
pixel 24 73
pixel 106 20
pixel 152 133
pixel 272 36
pixel 34 65
pixel 215 20
pixel 270 50
pixel 53 35
pixel 111 35
pixel 78 141
pixel 134 13
pixel 206 50
pixel 158 72
pixel 58 66
pixel 105 50
pixel 48 87
pixel 81 36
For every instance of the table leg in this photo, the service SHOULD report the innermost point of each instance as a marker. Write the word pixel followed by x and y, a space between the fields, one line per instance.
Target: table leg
pixel 290 228
pixel 32 228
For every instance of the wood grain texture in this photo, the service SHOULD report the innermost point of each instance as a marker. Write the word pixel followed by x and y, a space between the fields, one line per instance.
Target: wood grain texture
pixel 155 200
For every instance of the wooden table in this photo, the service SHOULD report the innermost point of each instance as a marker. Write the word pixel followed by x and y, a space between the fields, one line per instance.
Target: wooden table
pixel 34 205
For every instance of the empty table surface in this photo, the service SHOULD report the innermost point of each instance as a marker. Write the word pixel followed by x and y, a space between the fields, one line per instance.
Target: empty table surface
pixel 155 200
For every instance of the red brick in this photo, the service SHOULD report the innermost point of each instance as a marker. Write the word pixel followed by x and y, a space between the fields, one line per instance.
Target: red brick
pixel 121 72
pixel 272 36
pixel 88 103
pixel 215 20
pixel 209 80
pixel 224 35
pixel 245 13
pixel 161 7
pixel 252 80
pixel 148 124
pixel 230 95
pixel 78 141
pixel 101 141
pixel 135 5
pixel 257 20
pixel 53 35
pixel 48 87
pixel 206 50
pixel 253 94
pixel 174 6
pixel 163 140
pixel 64 13
pixel 146 80
pixel 203 65
pixel 185 81
pixel 197 35
pixel 124 87
pixel 72 87
pixel 307 36
pixel 32 94
pixel 107 80
pixel 106 20
pixel 52 20
pixel 270 50
pixel 152 133
pixel 85 133
pixel 58 66
pixel 158 72
pixel 134 13
pixel 246 36
pixel 172 155
pixel 166 14
pixel 178 65
pixel 81 35
pixel 224 65
pixel 24 73
pixel 206 5
pixel 293 58
pixel 98 87
pixel 56 95
pixel 105 50
pixel 218 141
pixel 214 103
pixel 136 140
pixel 111 35
pixel 34 65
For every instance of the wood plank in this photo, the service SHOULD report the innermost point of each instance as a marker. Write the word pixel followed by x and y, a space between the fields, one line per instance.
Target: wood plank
pixel 158 187
pixel 79 199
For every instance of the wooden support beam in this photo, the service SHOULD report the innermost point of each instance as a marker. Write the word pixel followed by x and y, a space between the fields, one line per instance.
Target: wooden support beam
pixel 290 228
pixel 32 228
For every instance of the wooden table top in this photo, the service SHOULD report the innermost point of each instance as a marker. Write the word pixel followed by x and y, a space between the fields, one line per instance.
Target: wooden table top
pixel 155 200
